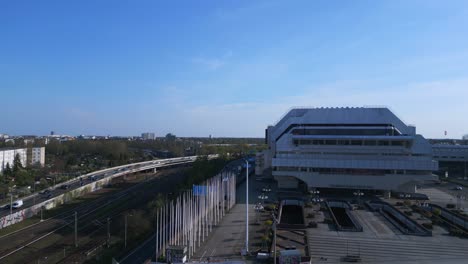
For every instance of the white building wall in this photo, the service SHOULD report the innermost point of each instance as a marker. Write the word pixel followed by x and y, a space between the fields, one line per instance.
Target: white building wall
pixel 38 156
pixel 7 156
pixel 1 161
pixel 22 154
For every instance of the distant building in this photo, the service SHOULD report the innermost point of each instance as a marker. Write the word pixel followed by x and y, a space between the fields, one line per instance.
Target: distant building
pixel 7 156
pixel 346 148
pixel 37 156
pixel 31 156
pixel 465 137
pixel 148 136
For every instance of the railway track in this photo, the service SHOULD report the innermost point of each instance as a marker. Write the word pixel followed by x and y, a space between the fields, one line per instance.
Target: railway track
pixel 26 238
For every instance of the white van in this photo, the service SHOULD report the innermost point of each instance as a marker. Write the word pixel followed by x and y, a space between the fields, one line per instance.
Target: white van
pixel 17 204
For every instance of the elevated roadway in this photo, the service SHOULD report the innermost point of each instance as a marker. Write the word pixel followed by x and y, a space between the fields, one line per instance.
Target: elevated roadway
pixel 82 180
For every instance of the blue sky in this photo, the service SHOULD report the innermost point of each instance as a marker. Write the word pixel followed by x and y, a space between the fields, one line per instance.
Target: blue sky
pixel 227 68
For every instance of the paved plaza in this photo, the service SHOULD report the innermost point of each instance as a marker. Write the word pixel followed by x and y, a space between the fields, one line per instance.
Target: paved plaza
pixel 380 242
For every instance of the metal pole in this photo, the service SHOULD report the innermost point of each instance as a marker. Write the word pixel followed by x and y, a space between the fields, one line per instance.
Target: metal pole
pixel 34 190
pixel 247 207
pixel 41 214
pixel 76 229
pixel 11 203
pixel 108 232
pixel 274 242
pixel 156 236
pixel 125 232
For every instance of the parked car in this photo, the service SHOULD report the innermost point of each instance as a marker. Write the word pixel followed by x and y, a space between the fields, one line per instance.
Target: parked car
pixel 65 187
pixel 458 188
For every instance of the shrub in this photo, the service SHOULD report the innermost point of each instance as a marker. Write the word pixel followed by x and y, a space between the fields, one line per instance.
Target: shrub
pixel 328 220
pixel 427 225
pixel 408 213
pixel 456 232
pixel 312 225
pixel 450 206
pixel 407 203
pixel 310 215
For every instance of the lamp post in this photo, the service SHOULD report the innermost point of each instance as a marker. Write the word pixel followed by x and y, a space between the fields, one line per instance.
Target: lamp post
pixel 247 206
pixel 275 222
pixel 125 231
pixel 358 194
pixel 316 194
pixel 11 203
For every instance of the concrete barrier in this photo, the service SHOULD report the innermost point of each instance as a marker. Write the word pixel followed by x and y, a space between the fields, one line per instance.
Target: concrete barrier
pixel 52 203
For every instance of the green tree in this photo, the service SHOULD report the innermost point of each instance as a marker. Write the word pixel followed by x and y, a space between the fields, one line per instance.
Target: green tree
pixel 23 178
pixel 17 163
pixel 7 171
pixel 170 137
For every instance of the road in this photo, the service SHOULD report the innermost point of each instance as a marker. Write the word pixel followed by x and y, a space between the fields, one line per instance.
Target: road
pixel 85 179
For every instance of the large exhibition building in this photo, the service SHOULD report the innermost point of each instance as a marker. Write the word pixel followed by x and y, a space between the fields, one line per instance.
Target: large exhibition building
pixel 351 148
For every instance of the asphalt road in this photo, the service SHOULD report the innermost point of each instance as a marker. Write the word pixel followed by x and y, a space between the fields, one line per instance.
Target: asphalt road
pixel 54 191
pixel 82 180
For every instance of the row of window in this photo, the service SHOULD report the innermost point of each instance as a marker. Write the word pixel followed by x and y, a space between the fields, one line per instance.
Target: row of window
pixel 346 132
pixel 350 153
pixel 345 142
pixel 449 157
pixel 371 172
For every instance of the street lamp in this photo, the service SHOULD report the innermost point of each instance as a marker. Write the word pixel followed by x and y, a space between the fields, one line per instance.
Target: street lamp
pixel 316 194
pixel 459 198
pixel 246 206
pixel 358 194
pixel 125 233
pixel 11 203
pixel 275 222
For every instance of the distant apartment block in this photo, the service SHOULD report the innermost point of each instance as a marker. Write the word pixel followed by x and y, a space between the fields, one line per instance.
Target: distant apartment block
pixel 148 136
pixel 37 156
pixel 28 156
pixel 346 148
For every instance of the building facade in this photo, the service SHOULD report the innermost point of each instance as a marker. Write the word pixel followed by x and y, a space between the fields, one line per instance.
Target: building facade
pixel 37 156
pixel 348 148
pixel 7 156
pixel 31 156
pixel 148 136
